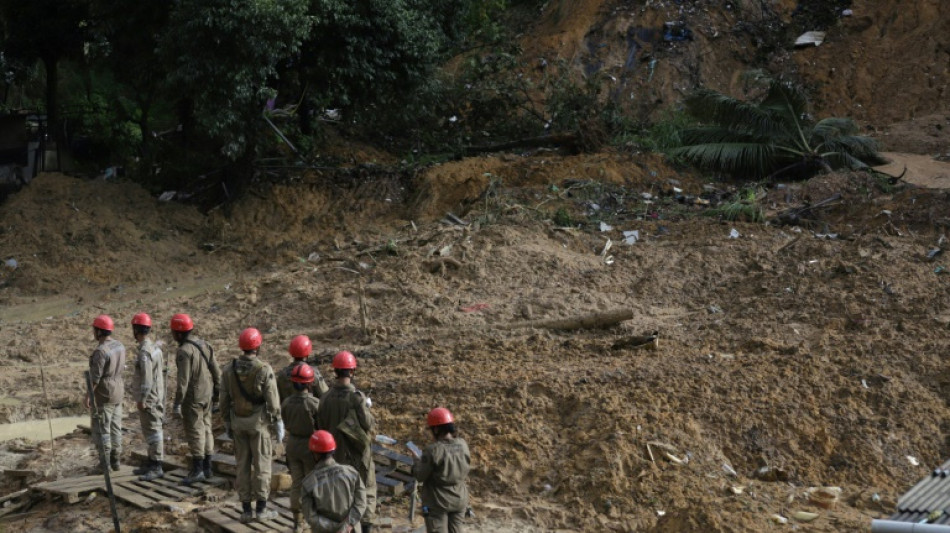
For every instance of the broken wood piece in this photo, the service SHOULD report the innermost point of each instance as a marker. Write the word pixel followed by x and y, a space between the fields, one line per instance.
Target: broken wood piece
pixel 676 460
pixel 649 341
pixel 606 319
pixel 441 264
pixel 650 453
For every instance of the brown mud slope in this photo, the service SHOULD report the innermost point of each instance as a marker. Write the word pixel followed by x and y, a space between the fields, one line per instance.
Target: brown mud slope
pixel 887 62
pixel 822 358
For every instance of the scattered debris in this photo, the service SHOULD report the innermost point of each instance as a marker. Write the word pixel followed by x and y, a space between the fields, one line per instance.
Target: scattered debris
pixel 811 38
pixel 676 460
pixel 451 219
pixel 606 227
pixel 824 497
pixel 733 233
pixel 474 308
pixel 737 490
pixel 779 519
pixel 913 460
pixel 714 309
pixel 167 196
pixel 11 263
pixel 631 237
pixel 933 253
pixel 804 516
pixel 770 473
pixel 648 341
pixel 727 468
pixel 314 257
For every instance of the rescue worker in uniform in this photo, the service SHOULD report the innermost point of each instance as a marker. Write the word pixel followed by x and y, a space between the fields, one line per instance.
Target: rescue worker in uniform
pixel 249 406
pixel 344 412
pixel 334 498
pixel 108 387
pixel 148 387
pixel 442 470
pixel 299 413
pixel 199 380
pixel 300 349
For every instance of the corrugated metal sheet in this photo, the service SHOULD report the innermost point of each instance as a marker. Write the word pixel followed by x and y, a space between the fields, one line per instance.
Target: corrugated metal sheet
pixel 931 494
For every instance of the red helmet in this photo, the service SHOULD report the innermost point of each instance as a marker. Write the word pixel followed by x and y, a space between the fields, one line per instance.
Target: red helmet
pixel 142 319
pixel 302 374
pixel 322 442
pixel 439 416
pixel 250 339
pixel 103 322
pixel 300 347
pixel 344 361
pixel 182 322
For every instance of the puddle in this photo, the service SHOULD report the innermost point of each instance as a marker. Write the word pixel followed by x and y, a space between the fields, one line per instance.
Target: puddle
pixel 39 429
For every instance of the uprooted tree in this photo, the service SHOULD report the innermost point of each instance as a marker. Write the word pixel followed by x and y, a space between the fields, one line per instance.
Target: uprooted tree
pixel 772 137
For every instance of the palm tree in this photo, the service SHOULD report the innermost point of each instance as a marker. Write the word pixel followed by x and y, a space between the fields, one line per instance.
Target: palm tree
pixel 773 137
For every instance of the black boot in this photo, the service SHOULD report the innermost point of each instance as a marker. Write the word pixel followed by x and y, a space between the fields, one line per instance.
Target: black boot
pixel 366 527
pixel 142 470
pixel 197 472
pixel 206 466
pixel 154 473
pixel 247 514
pixel 263 513
pixel 114 462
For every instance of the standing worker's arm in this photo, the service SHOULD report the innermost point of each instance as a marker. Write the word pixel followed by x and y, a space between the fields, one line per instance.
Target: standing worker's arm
pixel 422 469
pixel 358 509
pixel 367 422
pixel 148 379
pixel 272 402
pixel 215 374
pixel 183 363
pixel 97 367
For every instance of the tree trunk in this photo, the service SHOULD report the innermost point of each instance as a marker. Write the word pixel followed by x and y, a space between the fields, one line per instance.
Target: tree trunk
pixel 52 81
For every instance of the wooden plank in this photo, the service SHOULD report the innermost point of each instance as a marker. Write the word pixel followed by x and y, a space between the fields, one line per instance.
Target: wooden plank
pixel 218 522
pixel 160 492
pixel 124 493
pixel 14 495
pixel 388 485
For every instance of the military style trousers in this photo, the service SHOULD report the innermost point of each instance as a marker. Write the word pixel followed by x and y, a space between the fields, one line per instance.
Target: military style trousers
pixel 300 461
pixel 252 451
pixel 151 418
pixel 107 430
pixel 439 521
pixel 197 418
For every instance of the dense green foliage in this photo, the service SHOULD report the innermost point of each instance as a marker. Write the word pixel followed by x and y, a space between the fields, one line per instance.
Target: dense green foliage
pixel 772 137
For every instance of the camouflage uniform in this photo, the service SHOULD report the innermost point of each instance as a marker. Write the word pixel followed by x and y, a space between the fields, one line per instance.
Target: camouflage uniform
pixel 333 496
pixel 443 470
pixel 249 405
pixel 299 413
pixel 335 406
pixel 149 390
pixel 199 379
pixel 285 387
pixel 105 371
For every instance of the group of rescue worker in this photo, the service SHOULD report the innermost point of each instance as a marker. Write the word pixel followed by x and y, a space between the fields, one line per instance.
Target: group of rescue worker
pixel 328 428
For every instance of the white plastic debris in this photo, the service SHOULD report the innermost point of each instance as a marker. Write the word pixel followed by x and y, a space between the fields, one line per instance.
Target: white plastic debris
pixel 548 487
pixel 779 519
pixel 631 237
pixel 646 196
pixel 913 460
pixel 660 513
pixel 810 38
pixel 11 263
pixel 313 257
pixel 167 196
pixel 727 468
pixel 453 119
pixel 733 233
pixel 605 227
pixel 847 12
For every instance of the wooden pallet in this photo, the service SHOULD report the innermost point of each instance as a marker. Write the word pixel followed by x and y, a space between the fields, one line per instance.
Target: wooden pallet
pixel 148 494
pixel 75 489
pixel 227 519
pixel 393 471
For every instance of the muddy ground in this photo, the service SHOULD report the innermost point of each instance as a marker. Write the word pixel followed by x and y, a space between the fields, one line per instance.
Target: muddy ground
pixel 818 355
pixel 812 345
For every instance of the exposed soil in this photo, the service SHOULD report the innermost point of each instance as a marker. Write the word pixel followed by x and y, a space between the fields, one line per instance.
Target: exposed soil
pixel 814 349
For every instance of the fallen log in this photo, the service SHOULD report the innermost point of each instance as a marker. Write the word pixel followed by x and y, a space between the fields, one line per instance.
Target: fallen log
pixel 602 320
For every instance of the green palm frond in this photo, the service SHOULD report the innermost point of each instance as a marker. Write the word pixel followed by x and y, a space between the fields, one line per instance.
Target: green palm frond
pixel 712 107
pixel 734 157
